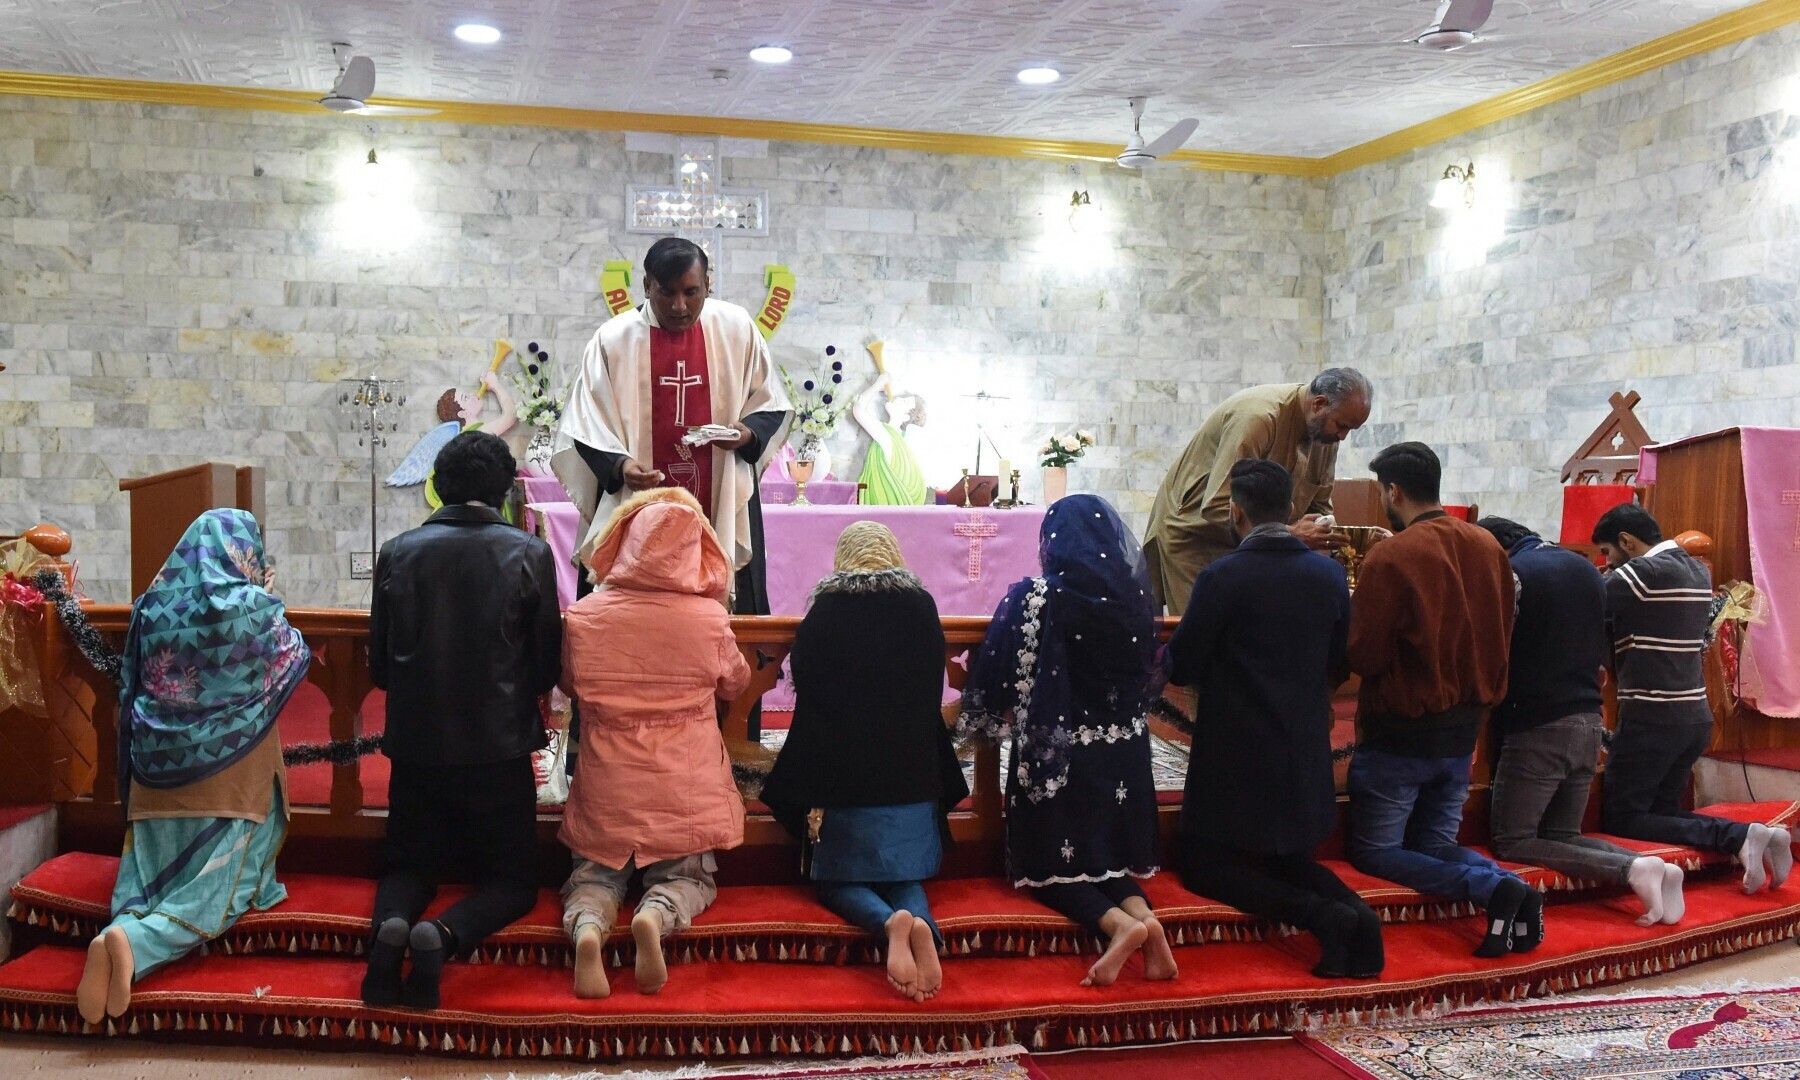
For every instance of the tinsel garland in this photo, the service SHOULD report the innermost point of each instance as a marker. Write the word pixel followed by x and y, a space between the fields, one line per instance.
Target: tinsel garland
pixel 87 640
pixel 96 651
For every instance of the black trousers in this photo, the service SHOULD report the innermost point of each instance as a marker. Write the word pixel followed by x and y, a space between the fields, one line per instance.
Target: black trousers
pixel 1646 782
pixel 1086 901
pixel 464 823
pixel 1293 889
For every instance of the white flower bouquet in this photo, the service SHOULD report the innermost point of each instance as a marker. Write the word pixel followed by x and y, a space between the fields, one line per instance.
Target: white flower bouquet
pixel 1061 451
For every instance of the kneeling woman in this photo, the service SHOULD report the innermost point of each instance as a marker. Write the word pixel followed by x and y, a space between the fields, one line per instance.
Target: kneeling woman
pixel 869 772
pixel 1065 674
pixel 209 661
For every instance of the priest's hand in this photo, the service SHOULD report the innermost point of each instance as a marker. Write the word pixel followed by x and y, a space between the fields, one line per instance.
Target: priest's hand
pixel 737 442
pixel 1318 536
pixel 641 477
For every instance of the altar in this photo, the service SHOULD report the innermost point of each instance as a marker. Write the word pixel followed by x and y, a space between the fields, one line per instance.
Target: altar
pixel 967 557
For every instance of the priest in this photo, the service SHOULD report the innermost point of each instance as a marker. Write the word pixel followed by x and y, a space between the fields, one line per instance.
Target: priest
pixel 680 362
pixel 1297 426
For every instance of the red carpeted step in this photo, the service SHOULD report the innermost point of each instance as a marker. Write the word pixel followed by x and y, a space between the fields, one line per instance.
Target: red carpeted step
pixel 71 895
pixel 14 813
pixel 759 1009
pixel 1779 757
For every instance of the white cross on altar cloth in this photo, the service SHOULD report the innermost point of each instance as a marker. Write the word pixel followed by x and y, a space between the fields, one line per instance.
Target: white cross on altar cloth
pixel 976 529
pixel 1792 498
pixel 683 382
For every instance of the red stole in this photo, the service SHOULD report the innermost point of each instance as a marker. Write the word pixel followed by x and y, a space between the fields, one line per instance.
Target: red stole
pixel 680 398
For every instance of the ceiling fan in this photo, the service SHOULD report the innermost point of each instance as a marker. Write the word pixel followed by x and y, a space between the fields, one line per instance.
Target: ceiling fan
pixel 1454 27
pixel 1139 155
pixel 350 93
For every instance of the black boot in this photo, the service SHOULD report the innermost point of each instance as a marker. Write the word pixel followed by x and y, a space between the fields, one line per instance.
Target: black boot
pixel 381 982
pixel 1335 929
pixel 1367 955
pixel 429 944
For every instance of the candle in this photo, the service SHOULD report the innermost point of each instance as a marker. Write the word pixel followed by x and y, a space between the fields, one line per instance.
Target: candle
pixel 1004 483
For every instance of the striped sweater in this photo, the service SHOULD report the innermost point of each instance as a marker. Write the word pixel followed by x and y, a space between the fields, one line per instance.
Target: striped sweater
pixel 1657 606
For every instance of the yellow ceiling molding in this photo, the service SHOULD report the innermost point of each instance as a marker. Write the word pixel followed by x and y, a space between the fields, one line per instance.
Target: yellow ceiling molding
pixel 1721 30
pixel 467 112
pixel 1726 29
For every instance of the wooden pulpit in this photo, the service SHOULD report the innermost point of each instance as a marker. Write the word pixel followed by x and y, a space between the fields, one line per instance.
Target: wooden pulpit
pixel 164 505
pixel 1700 486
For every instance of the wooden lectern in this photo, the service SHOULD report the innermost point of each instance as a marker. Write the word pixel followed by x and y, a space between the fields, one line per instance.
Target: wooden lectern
pixel 164 505
pixel 1700 486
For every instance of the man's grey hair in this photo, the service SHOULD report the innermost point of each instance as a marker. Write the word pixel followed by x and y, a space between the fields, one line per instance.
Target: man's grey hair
pixel 1339 384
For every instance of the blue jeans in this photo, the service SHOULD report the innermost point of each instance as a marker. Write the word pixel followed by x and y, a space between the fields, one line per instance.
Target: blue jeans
pixel 871 904
pixel 1404 815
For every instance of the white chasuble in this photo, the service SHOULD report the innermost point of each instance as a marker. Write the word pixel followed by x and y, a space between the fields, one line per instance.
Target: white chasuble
pixel 609 409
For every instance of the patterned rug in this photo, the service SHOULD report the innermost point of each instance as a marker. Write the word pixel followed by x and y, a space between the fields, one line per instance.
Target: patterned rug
pixel 1005 1063
pixel 1733 1035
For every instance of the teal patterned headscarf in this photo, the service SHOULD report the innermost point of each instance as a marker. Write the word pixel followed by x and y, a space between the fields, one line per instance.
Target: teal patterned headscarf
pixel 209 660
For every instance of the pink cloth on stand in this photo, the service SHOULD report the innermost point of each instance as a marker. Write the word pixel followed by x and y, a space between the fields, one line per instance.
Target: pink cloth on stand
pixel 1770 672
pixel 561 529
pixel 937 541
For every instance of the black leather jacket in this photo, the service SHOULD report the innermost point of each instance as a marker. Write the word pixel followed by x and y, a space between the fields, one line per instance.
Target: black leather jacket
pixel 464 634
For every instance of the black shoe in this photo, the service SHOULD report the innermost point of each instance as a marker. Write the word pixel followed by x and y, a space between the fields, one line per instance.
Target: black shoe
pixel 381 982
pixel 1335 931
pixel 1367 955
pixel 1528 924
pixel 428 948
pixel 1502 909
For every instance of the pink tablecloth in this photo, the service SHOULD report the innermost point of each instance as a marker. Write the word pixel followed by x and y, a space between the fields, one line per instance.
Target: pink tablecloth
pixel 823 492
pixel 939 543
pixel 546 501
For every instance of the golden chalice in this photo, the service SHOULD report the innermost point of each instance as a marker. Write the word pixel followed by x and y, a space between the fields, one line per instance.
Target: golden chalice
pixel 1362 538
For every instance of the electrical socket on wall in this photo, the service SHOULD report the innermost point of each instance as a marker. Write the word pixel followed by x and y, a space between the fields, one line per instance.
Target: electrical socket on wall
pixel 362 566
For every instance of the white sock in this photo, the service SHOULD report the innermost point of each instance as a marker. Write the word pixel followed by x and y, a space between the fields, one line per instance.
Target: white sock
pixel 1780 856
pixel 1674 905
pixel 1756 844
pixel 1646 880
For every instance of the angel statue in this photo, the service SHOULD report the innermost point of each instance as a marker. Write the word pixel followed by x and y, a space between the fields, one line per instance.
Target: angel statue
pixel 458 411
pixel 891 470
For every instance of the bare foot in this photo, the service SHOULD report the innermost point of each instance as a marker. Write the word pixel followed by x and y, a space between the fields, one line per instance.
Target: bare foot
pixel 1128 940
pixel 1674 905
pixel 90 993
pixel 1159 959
pixel 652 969
pixel 902 968
pixel 590 963
pixel 1646 880
pixel 925 956
pixel 124 966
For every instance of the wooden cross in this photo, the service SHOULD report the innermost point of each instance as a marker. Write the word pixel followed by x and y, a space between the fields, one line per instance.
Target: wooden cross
pixel 683 382
pixel 1610 454
pixel 976 529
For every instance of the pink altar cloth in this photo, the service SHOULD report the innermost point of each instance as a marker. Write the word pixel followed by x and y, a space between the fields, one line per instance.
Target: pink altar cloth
pixel 966 558
pixel 1769 670
pixel 546 499
pixel 779 492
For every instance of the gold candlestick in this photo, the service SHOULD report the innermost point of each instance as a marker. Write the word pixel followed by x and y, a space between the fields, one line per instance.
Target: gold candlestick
pixel 965 501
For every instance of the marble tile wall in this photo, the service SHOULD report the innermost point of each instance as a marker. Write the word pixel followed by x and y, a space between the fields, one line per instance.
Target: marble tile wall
pixel 181 285
pixel 1644 236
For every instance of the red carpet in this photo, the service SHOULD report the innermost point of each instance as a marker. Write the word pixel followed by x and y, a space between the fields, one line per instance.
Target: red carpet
pixel 720 1009
pixel 11 815
pixel 71 894
pixel 1782 757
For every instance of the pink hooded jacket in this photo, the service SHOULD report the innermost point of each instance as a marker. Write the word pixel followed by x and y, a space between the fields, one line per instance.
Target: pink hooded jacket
pixel 648 655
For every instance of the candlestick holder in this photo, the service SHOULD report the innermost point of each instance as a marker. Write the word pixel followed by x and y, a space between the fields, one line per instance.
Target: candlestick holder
pixel 965 489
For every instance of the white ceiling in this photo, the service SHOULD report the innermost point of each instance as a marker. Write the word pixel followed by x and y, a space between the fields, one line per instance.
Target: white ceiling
pixel 931 65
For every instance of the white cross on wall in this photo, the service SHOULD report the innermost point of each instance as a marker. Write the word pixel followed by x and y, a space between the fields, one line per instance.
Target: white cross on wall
pixel 683 382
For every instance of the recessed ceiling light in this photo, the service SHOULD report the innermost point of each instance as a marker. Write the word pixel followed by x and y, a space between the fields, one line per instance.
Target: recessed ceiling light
pixel 477 34
pixel 1039 76
pixel 771 54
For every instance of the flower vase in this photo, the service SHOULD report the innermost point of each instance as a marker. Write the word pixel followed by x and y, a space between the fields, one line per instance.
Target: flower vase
pixel 1056 483
pixel 540 449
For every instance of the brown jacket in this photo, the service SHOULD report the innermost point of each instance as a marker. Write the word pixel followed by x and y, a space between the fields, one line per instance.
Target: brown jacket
pixel 1430 631
pixel 1190 522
